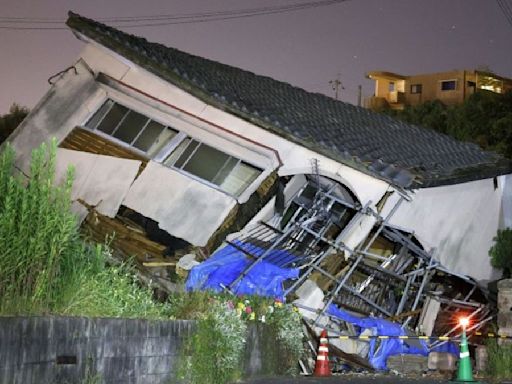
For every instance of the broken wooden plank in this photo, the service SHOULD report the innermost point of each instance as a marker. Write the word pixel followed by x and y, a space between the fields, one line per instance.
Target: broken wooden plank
pixel 158 264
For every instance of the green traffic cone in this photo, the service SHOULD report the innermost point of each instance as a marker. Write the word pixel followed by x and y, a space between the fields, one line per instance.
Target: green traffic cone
pixel 465 371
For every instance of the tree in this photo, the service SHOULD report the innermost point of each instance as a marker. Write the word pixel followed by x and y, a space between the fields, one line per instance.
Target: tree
pixel 485 118
pixel 501 251
pixel 11 120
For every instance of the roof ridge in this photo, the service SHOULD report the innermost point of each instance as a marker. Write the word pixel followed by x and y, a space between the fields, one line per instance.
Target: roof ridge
pixel 312 120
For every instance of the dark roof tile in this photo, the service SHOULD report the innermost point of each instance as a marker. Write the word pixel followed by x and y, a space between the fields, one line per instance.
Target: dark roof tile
pixel 399 153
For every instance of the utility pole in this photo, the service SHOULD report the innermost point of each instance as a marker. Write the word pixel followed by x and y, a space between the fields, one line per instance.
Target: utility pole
pixel 359 94
pixel 336 84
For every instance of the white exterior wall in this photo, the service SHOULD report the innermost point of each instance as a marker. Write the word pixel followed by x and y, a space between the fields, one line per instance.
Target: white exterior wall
pixel 296 159
pixel 100 181
pixel 459 221
pixel 183 207
pixel 63 107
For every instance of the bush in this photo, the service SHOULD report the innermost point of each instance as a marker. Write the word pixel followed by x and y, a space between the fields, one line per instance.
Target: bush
pixel 501 251
pixel 213 354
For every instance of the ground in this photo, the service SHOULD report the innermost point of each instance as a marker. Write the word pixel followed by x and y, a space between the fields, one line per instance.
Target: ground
pixel 366 379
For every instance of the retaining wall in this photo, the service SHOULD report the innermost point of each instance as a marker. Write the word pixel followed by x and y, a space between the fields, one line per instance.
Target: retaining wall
pixel 60 350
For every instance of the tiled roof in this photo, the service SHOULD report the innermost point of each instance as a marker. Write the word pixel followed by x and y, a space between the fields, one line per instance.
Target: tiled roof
pixel 400 153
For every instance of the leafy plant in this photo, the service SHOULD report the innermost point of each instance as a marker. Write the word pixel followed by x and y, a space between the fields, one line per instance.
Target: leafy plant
pixel 214 354
pixel 215 350
pixel 287 323
pixel 501 251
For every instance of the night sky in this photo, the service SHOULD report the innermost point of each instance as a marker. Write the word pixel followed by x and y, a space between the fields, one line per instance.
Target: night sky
pixel 306 48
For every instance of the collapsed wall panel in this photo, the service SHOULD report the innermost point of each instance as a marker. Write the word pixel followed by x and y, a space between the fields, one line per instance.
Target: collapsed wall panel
pixel 100 181
pixel 459 220
pixel 83 140
pixel 182 206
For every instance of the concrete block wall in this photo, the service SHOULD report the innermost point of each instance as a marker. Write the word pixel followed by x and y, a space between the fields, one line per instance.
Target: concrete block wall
pixel 505 308
pixel 68 350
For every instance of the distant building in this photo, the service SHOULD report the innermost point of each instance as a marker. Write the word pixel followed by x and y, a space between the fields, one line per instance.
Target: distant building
pixel 396 91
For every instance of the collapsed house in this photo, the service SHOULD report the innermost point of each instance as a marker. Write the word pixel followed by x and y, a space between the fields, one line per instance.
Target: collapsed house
pixel 178 154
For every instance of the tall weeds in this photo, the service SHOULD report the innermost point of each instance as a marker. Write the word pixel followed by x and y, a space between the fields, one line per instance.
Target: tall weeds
pixel 38 232
pixel 499 365
pixel 45 267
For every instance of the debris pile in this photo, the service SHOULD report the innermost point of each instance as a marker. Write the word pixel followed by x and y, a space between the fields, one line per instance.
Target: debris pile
pixel 353 283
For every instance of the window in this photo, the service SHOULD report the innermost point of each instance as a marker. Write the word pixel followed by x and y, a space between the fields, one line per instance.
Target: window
pixel 391 86
pixel 416 88
pixel 131 127
pixel 175 149
pixel 448 85
pixel 218 168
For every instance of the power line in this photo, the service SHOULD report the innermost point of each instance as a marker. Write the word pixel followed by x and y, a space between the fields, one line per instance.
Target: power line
pixel 161 20
pixel 506 9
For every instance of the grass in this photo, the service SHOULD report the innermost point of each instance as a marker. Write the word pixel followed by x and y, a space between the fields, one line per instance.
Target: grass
pixel 499 364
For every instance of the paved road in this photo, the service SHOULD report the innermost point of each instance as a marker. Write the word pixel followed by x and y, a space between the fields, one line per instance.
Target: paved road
pixel 373 379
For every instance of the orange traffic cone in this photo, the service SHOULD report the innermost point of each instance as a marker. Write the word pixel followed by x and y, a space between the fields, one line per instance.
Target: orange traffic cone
pixel 322 359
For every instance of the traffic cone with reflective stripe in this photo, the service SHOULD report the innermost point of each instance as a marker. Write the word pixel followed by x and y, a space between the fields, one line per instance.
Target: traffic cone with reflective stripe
pixel 322 358
pixel 464 372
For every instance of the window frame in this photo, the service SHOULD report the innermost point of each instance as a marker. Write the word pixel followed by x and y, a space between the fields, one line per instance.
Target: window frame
pixel 169 147
pixel 416 89
pixel 454 81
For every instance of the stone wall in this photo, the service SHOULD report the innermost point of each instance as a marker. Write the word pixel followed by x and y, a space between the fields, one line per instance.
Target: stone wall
pixel 505 308
pixel 49 350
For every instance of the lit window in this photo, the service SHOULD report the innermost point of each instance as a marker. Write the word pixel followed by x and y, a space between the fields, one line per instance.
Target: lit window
pixel 448 85
pixel 416 88
pixel 177 150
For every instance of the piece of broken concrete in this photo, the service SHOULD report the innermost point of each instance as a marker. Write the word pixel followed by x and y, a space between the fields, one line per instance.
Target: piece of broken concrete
pixel 442 361
pixel 185 264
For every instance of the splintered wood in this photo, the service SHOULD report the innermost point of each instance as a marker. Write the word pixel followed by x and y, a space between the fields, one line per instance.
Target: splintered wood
pixel 126 238
pixel 86 141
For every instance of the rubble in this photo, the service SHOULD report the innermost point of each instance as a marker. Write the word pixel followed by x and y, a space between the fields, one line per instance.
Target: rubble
pixel 386 275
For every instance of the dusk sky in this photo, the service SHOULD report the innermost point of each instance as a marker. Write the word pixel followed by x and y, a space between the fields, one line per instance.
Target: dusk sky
pixel 306 48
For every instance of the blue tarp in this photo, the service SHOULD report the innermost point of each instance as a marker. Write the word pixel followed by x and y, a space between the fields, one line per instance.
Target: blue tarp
pixel 264 279
pixel 388 347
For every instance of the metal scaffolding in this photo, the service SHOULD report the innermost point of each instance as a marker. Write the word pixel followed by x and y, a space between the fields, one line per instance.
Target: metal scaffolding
pixel 394 285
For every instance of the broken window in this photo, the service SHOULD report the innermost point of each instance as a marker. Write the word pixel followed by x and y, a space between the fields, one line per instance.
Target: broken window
pixel 174 149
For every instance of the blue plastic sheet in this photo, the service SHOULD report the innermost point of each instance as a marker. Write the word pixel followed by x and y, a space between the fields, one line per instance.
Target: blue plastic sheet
pixel 388 347
pixel 226 265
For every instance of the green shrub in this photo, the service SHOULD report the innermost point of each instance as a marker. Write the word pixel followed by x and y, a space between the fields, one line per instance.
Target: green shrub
pixel 213 355
pixel 501 251
pixel 499 365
